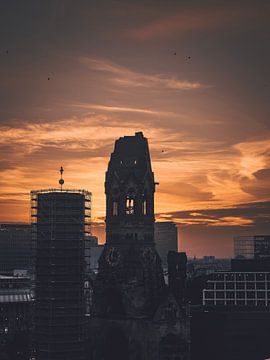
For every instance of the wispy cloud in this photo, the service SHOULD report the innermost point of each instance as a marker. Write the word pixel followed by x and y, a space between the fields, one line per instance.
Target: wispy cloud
pixel 125 77
pixel 199 18
pixel 124 109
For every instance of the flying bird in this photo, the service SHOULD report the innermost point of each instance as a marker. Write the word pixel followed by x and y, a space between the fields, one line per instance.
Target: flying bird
pixel 174 53
pixel 49 78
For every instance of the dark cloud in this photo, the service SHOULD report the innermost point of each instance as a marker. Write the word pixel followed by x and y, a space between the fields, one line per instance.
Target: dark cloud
pixel 258 185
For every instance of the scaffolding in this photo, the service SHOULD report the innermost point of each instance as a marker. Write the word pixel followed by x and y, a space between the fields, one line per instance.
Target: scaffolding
pixel 61 221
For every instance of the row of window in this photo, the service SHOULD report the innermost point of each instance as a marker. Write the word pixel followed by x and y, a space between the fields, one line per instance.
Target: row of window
pixel 241 276
pixel 237 302
pixel 237 294
pixel 238 285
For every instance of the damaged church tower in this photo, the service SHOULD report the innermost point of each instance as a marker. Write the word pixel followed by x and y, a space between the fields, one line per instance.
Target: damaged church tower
pixel 132 306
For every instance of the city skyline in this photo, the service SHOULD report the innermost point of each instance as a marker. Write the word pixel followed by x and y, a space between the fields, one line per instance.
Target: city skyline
pixel 193 77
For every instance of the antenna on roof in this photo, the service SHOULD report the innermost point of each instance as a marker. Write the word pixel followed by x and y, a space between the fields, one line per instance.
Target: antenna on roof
pixel 61 181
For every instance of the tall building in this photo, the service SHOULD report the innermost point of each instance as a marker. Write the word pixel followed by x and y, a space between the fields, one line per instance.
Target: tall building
pixel 15 247
pixel 166 237
pixel 61 221
pixel 135 316
pixel 252 247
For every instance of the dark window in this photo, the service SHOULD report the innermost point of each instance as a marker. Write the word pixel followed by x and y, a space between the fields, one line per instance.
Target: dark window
pixel 230 285
pixel 240 294
pixel 250 277
pixel 220 294
pixel 260 277
pixel 260 285
pixel 251 294
pixel 240 285
pixel 230 294
pixel 115 208
pixel 250 285
pixel 240 302
pixel 219 285
pixel 209 294
pixel 261 294
pixel 240 277
pixel 210 285
pixel 230 302
pixel 251 302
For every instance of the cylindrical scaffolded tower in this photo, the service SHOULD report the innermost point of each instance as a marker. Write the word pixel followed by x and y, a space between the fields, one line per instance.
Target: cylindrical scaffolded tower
pixel 61 221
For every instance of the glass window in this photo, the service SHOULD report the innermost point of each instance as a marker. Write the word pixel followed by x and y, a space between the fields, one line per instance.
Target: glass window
pixel 230 294
pixel 230 302
pixel 239 277
pixel 268 277
pixel 251 302
pixel 230 285
pixel 260 285
pixel 240 294
pixel 220 294
pixel 219 285
pixel 209 294
pixel 230 277
pixel 251 294
pixel 210 285
pixel 261 294
pixel 240 285
pixel 260 277
pixel 250 277
pixel 250 285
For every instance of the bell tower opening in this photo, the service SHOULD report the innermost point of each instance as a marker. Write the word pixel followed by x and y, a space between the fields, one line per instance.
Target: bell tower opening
pixel 130 205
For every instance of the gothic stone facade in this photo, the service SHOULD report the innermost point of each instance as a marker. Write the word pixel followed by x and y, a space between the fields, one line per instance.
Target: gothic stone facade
pixel 135 316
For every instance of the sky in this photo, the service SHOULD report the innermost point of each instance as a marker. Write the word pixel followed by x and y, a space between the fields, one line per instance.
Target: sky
pixel 193 75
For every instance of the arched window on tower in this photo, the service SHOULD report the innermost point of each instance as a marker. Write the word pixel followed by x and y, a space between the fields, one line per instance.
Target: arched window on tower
pixel 144 207
pixel 130 205
pixel 115 208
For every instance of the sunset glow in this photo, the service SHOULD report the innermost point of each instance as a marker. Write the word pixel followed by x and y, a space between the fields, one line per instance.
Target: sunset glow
pixel 200 99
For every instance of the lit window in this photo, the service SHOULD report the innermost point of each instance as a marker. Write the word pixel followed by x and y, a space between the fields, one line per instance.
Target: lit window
pixel 129 205
pixel 144 207
pixel 115 208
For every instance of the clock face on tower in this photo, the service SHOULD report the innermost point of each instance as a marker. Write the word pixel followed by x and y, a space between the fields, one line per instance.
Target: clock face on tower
pixel 113 256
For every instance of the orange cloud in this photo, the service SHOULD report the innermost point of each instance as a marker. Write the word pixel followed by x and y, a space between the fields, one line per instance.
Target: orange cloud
pixel 123 76
pixel 199 18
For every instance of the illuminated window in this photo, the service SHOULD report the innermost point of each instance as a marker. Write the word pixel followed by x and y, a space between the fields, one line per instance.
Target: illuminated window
pixel 144 207
pixel 115 208
pixel 129 205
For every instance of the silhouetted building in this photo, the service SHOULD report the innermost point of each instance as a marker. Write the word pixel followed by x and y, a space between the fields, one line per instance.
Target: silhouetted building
pixel 234 319
pixel 166 238
pixel 134 315
pixel 61 223
pixel 15 247
pixel 16 317
pixel 177 273
pixel 237 289
pixel 252 247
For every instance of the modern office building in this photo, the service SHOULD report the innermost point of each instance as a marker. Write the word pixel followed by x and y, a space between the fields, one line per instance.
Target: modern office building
pixel 252 247
pixel 166 238
pixel 61 221
pixel 237 289
pixel 15 247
